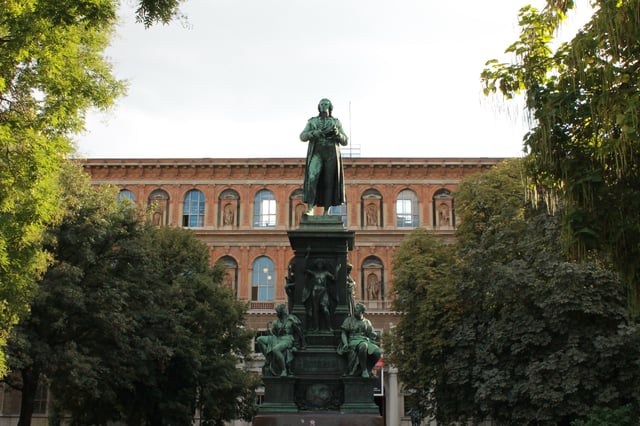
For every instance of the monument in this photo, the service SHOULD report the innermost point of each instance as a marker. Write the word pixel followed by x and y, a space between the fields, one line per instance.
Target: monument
pixel 321 349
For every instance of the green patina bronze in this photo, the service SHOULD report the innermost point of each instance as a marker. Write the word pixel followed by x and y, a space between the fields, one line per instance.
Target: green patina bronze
pixel 323 374
pixel 324 176
pixel 359 343
pixel 281 343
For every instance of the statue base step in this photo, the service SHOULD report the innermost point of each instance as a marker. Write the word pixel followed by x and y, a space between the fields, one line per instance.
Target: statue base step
pixel 318 419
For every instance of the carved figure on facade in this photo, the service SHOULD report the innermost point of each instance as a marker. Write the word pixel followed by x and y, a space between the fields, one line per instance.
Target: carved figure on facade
pixel 280 344
pixel 443 215
pixel 323 175
pixel 319 294
pixel 228 215
pixel 297 215
pixel 371 215
pixel 228 280
pixel 373 287
pixel 359 344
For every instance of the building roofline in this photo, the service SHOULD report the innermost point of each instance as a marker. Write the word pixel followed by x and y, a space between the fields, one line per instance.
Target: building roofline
pixel 244 162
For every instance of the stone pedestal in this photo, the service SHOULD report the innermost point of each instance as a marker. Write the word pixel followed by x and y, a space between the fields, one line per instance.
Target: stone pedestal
pixel 318 419
pixel 318 392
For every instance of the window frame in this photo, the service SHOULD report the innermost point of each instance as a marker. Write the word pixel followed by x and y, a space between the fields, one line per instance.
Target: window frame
pixel 193 209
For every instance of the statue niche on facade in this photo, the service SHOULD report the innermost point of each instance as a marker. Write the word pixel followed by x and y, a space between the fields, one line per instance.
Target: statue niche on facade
pixel 323 175
pixel 281 342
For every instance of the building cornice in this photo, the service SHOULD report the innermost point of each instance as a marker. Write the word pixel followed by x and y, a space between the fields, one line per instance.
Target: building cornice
pixel 376 162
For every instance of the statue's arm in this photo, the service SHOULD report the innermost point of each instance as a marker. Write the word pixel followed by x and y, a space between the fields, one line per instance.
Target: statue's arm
pixel 308 133
pixel 342 136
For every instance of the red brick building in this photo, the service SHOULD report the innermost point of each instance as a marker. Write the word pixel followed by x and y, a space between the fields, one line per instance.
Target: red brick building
pixel 242 209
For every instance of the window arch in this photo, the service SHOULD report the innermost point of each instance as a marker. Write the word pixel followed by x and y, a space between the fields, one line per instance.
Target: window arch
pixel 264 209
pixel 125 194
pixel 296 208
pixel 371 213
pixel 230 279
pixel 372 279
pixel 262 279
pixel 443 212
pixel 407 209
pixel 193 209
pixel 159 207
pixel 228 208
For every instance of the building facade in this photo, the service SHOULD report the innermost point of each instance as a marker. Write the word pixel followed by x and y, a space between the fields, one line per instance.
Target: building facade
pixel 243 208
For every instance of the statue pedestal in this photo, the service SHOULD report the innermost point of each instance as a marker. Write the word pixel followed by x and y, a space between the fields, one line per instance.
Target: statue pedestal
pixel 318 419
pixel 318 393
pixel 358 395
pixel 278 395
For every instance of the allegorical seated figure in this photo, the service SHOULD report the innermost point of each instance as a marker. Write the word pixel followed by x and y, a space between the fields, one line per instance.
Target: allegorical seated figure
pixel 281 343
pixel 359 343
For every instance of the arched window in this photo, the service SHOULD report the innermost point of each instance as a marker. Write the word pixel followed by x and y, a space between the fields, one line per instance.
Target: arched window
pixel 264 209
pixel 228 208
pixel 341 211
pixel 230 279
pixel 125 194
pixel 262 279
pixel 371 214
pixel 193 210
pixel 159 207
pixel 296 208
pixel 372 280
pixel 407 209
pixel 443 213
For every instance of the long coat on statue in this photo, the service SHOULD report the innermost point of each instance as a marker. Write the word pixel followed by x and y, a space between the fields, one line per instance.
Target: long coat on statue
pixel 326 147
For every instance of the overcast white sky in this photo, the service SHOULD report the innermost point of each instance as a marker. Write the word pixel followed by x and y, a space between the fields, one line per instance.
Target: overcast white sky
pixel 244 76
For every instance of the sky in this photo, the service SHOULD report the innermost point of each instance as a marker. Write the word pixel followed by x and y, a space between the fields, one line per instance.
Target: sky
pixel 240 78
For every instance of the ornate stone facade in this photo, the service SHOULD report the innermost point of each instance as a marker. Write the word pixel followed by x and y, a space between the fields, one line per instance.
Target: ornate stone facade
pixel 242 209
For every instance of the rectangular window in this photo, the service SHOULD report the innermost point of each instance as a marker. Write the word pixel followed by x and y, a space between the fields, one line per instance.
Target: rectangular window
pixel 404 214
pixel 268 213
pixel 40 401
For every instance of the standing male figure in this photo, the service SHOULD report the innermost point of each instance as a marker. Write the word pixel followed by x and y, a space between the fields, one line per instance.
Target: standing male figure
pixel 323 175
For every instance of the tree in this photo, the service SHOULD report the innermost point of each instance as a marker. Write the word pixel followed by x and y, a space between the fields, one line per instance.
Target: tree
pixel 419 345
pixel 535 339
pixel 129 322
pixel 79 297
pixel 583 150
pixel 52 70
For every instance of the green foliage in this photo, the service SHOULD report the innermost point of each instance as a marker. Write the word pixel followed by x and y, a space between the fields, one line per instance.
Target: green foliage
pixel 423 289
pixel 52 70
pixel 150 12
pixel 583 99
pixel 602 416
pixel 509 328
pixel 130 323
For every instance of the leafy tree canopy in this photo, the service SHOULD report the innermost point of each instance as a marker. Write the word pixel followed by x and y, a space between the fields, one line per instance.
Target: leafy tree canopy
pixel 583 99
pixel 130 323
pixel 52 70
pixel 510 329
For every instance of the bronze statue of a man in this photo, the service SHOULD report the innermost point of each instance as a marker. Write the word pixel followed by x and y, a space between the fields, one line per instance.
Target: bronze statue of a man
pixel 323 176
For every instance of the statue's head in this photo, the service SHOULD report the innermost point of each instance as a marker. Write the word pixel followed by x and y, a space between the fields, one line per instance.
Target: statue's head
pixel 325 105
pixel 281 309
pixel 359 308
